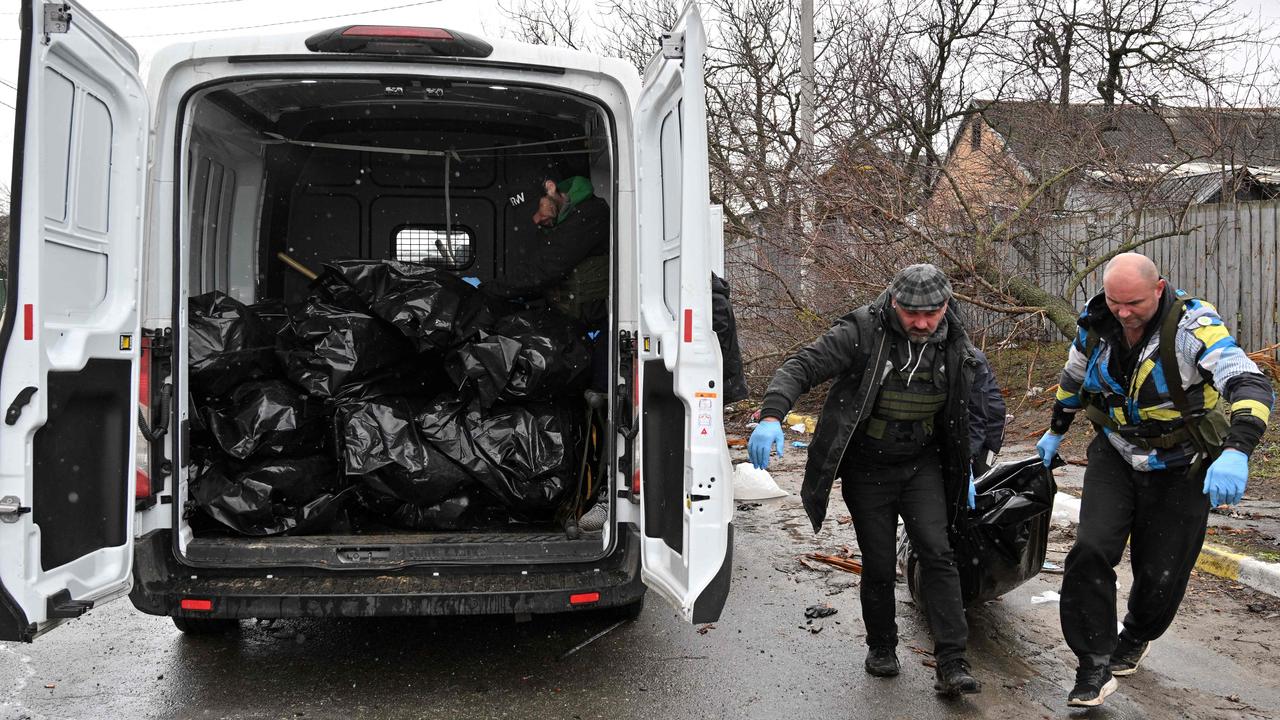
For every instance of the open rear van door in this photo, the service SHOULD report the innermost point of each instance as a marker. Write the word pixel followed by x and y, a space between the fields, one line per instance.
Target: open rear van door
pixel 69 339
pixel 686 488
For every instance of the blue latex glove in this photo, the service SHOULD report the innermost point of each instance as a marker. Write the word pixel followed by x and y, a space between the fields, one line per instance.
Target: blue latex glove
pixel 472 281
pixel 767 434
pixel 973 493
pixel 1048 447
pixel 1224 483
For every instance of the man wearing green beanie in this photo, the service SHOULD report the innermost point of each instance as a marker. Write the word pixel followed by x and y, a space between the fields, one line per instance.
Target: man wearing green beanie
pixel 568 260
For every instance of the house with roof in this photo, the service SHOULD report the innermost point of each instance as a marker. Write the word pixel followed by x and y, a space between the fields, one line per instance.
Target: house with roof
pixel 1082 159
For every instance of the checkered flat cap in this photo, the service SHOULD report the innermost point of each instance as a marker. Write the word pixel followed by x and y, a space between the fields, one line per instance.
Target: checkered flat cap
pixel 920 287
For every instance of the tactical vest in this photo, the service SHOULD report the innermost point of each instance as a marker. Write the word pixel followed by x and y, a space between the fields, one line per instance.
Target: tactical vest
pixel 1205 428
pixel 901 423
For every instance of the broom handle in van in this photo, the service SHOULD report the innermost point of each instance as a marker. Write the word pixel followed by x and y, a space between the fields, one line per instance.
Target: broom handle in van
pixel 305 271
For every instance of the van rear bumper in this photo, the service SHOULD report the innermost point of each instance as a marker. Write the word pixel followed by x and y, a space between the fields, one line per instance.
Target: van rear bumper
pixel 161 583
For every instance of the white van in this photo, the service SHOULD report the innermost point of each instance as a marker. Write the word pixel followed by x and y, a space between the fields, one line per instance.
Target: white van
pixel 128 199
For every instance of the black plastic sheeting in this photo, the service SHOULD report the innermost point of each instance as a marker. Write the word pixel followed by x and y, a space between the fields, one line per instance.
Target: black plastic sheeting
pixel 227 344
pixel 267 418
pixel 381 443
pixel 1008 532
pixel 431 405
pixel 433 308
pixel 289 496
pixel 521 457
pixel 336 346
pixel 469 509
pixel 529 355
pixel 529 455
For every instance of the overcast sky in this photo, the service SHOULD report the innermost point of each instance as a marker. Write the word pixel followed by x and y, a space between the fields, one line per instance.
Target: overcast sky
pixel 151 24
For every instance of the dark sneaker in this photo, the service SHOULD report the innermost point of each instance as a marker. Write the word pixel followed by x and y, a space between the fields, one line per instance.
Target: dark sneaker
pixel 1127 657
pixel 882 661
pixel 1093 684
pixel 954 679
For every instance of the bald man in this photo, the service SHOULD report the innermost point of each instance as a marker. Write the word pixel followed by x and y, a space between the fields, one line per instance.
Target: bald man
pixel 1178 407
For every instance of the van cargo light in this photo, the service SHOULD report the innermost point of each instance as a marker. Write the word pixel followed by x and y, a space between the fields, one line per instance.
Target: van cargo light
pixel 395 40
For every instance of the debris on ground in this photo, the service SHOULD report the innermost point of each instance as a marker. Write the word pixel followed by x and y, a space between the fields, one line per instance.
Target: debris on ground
pixel 799 444
pixel 814 612
pixel 734 441
pixel 747 507
pixel 1048 596
pixel 750 483
pixel 844 520
pixel 706 628
pixel 1051 567
pixel 594 638
pixel 847 564
pixel 806 423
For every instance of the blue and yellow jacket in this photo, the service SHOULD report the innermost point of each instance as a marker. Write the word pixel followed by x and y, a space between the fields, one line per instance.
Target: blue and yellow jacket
pixel 1139 409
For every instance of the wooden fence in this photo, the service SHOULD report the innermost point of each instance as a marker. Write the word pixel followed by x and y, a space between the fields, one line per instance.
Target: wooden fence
pixel 1225 254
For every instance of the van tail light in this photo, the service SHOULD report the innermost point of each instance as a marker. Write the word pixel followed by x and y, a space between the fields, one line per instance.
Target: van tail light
pixel 584 598
pixel 142 490
pixel 396 40
pixel 635 483
pixel 154 407
pixel 196 605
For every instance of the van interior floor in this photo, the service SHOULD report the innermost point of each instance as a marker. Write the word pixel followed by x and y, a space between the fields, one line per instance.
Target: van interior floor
pixel 515 544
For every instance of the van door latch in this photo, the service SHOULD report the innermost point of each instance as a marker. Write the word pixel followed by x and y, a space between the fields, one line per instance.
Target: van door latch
pixel 11 509
pixel 673 46
pixel 57 19
pixel 19 402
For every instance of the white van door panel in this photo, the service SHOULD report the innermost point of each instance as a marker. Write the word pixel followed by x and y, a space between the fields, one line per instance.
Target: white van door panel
pixel 68 372
pixel 686 489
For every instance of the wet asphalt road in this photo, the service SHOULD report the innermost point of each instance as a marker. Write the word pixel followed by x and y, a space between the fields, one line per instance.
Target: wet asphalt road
pixel 760 661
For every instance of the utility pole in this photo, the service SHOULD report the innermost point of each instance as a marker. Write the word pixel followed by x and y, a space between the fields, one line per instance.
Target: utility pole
pixel 807 206
pixel 806 84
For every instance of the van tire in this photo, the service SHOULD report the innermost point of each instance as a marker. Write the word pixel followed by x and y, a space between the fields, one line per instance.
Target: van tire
pixel 205 626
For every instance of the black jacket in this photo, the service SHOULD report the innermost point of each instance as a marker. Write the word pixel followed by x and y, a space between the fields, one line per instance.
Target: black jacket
pixel 535 264
pixel 854 343
pixel 986 409
pixel 726 328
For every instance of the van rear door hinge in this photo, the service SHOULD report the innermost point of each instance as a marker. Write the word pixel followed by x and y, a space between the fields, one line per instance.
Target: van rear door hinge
pixel 673 46
pixel 11 509
pixel 57 19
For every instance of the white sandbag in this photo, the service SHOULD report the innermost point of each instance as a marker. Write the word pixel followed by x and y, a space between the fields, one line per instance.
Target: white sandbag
pixel 752 484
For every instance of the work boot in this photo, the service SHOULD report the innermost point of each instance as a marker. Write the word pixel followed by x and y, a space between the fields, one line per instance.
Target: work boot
pixel 1093 684
pixel 882 661
pixel 1127 657
pixel 954 679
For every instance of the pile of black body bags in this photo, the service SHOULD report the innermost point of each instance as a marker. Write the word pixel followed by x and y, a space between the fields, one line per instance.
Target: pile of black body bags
pixel 396 396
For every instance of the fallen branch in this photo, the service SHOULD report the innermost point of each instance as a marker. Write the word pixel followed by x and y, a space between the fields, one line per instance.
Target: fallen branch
pixel 843 563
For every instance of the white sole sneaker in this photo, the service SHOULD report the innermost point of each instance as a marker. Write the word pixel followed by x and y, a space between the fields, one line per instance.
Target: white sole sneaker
pixel 1129 671
pixel 1110 687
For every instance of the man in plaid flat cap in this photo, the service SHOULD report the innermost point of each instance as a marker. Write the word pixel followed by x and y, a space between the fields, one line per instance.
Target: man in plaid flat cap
pixel 894 428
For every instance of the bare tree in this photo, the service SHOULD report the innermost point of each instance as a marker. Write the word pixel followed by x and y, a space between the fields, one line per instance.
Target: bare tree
pixel 541 23
pixel 898 85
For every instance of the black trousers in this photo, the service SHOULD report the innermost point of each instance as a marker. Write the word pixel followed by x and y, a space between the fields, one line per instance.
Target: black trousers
pixel 1163 514
pixel 876 496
